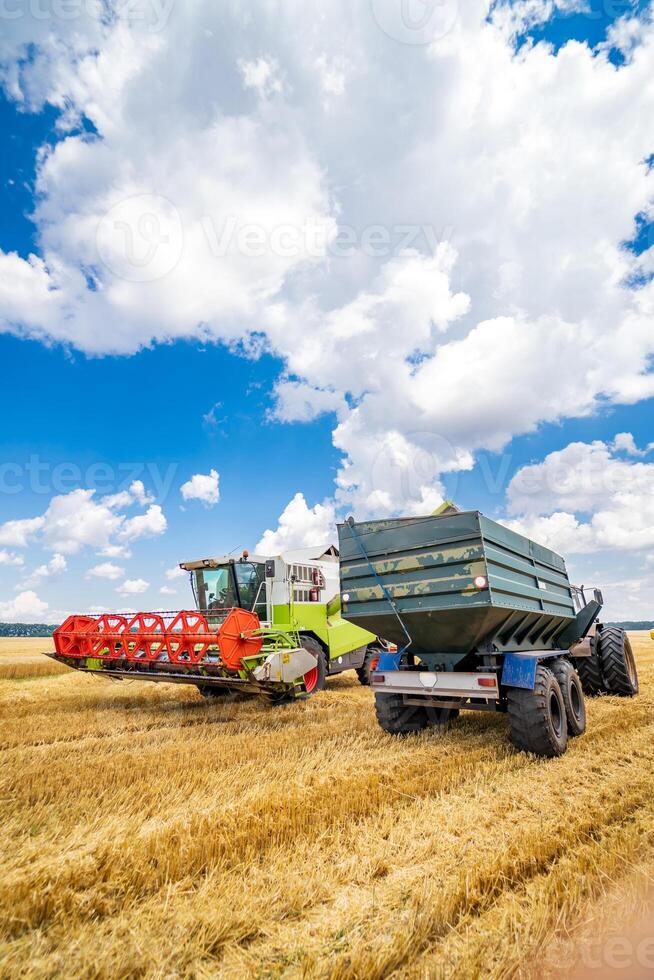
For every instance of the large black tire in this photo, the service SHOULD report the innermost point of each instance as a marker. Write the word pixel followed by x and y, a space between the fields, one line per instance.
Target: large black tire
pixel 590 670
pixel 314 648
pixel 398 718
pixel 363 672
pixel 618 663
pixel 573 695
pixel 441 717
pixel 538 720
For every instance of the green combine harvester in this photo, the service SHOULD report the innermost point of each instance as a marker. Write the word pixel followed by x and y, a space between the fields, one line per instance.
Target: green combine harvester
pixel 270 626
pixel 483 619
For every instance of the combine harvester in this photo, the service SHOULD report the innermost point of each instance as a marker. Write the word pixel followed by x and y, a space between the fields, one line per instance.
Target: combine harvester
pixel 484 619
pixel 266 626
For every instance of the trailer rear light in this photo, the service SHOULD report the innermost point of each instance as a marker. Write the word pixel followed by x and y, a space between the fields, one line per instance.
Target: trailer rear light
pixel 378 678
pixel 486 681
pixel 480 582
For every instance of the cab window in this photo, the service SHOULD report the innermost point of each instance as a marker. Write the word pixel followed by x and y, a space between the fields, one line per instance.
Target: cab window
pixel 216 588
pixel 251 578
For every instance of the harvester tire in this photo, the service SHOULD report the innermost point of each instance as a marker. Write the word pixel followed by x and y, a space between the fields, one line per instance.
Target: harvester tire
pixel 223 694
pixel 538 719
pixel 573 695
pixel 590 670
pixel 317 681
pixel 363 672
pixel 618 663
pixel 398 718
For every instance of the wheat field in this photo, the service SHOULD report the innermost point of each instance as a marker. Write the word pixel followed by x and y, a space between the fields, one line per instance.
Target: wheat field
pixel 148 833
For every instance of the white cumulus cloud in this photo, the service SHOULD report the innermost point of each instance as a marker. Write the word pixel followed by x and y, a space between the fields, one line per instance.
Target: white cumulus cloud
pixel 299 526
pixel 203 487
pixel 585 499
pixel 133 586
pixel 18 533
pixel 439 262
pixel 9 558
pixel 147 525
pixel 106 569
pixel 80 519
pixel 25 607
pixel 55 566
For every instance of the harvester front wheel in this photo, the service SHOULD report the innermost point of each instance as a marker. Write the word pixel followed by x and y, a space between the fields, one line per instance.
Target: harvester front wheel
pixel 538 719
pixel 398 718
pixel 314 680
pixel 369 664
pixel 618 663
pixel 573 695
pixel 223 694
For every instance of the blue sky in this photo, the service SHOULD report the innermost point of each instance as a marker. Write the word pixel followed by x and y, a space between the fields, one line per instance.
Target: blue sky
pixel 285 374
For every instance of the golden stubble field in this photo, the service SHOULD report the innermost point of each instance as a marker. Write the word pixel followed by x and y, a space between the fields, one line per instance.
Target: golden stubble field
pixel 148 833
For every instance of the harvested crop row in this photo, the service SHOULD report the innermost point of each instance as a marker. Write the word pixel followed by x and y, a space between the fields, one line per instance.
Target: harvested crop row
pixel 153 834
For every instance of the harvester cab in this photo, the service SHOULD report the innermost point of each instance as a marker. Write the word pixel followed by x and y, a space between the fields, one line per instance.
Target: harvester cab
pixel 261 625
pixel 297 592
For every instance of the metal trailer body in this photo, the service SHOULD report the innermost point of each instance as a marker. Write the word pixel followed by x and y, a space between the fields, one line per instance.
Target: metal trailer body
pixel 483 617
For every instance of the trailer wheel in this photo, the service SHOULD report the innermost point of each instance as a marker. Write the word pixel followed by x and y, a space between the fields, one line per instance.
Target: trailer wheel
pixel 314 680
pixel 369 664
pixel 538 720
pixel 398 718
pixel 441 717
pixel 618 663
pixel 573 695
pixel 590 670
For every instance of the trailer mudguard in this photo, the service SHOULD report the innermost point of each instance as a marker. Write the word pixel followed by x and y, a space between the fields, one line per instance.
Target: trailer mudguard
pixel 582 622
pixel 519 669
pixel 389 661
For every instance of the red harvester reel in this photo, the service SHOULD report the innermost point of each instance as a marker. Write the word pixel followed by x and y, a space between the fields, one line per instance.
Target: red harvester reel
pixel 180 638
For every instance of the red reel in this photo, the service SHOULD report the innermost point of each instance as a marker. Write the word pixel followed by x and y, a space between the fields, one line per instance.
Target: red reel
pixel 145 637
pixel 74 637
pixel 235 640
pixel 189 638
pixel 109 644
